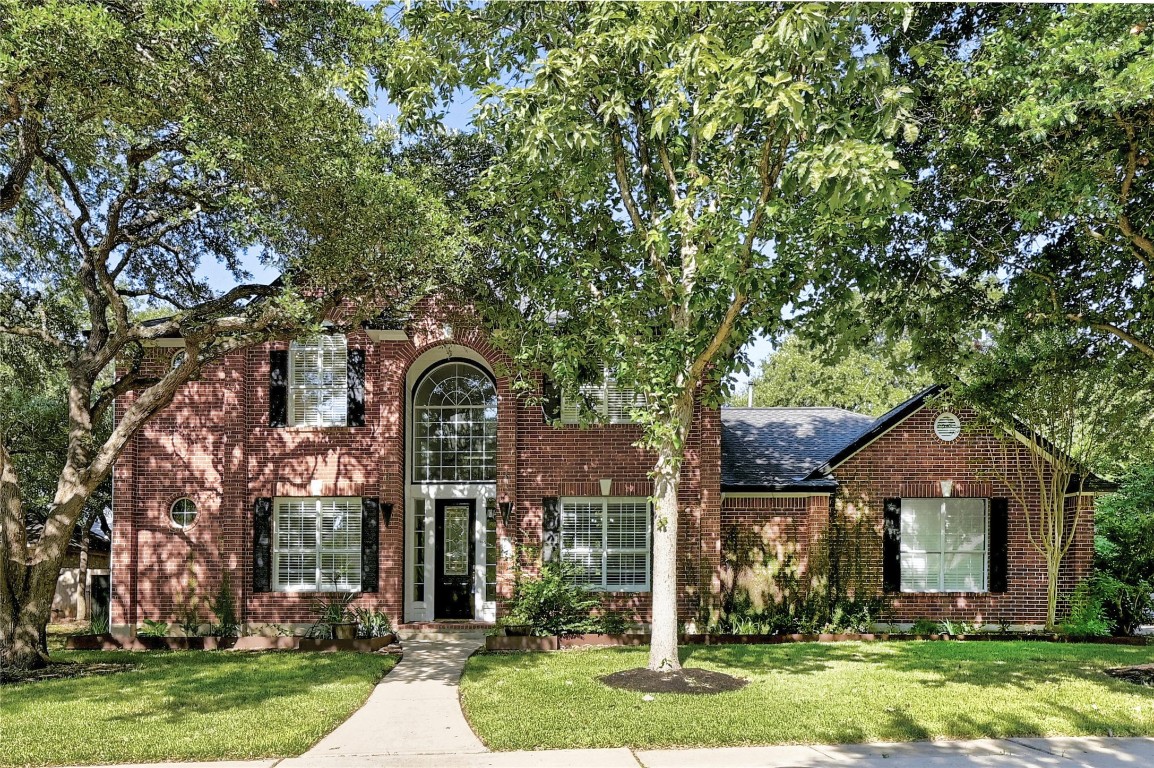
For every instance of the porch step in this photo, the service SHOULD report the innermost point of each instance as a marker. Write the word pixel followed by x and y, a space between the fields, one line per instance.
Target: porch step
pixel 443 630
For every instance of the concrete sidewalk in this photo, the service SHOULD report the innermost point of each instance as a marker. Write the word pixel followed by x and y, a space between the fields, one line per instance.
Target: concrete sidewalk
pixel 414 710
pixel 1090 752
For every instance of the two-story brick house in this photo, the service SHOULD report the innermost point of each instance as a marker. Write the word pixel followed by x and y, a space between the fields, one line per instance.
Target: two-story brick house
pixel 400 464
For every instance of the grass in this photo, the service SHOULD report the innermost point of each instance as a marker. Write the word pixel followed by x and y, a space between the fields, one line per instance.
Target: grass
pixel 186 705
pixel 812 693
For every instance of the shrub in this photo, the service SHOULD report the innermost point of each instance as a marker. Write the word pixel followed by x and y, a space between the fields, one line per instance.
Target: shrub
pixel 224 606
pixel 1124 551
pixel 612 623
pixel 99 623
pixel 924 626
pixel 1087 612
pixel 372 623
pixel 153 628
pixel 554 603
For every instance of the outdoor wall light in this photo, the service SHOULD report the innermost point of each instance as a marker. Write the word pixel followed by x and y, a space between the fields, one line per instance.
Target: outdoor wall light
pixel 387 508
pixel 506 510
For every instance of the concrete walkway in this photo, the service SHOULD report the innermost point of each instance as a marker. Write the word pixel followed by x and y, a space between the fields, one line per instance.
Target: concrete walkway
pixel 414 710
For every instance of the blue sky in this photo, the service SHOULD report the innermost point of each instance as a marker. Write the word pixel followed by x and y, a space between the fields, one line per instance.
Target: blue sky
pixel 457 118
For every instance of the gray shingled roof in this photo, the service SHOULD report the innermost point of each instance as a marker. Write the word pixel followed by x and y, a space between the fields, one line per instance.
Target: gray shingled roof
pixel 778 447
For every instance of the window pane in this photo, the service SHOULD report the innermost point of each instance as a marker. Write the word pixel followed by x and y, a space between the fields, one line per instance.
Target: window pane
pixel 921 572
pixel 921 525
pixel 627 526
pixel 318 381
pixel 304 560
pixel 456 543
pixel 455 408
pixel 581 526
pixel 965 525
pixel 588 565
pixel 626 570
pixel 419 550
pixel 964 572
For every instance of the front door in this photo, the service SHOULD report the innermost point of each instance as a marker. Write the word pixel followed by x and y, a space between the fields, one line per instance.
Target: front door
pixel 454 561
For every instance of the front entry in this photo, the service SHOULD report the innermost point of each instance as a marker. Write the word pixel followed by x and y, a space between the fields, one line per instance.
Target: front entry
pixel 454 560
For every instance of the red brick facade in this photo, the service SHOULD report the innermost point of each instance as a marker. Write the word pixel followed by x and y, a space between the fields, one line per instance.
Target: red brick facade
pixel 213 444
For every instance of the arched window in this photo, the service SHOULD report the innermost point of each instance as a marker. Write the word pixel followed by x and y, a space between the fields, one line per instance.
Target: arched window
pixel 455 426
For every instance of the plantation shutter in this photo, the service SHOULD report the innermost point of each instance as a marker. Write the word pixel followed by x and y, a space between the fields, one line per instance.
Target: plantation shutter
pixel 999 545
pixel 278 388
pixel 356 388
pixel 892 546
pixel 262 545
pixel 318 385
pixel 550 400
pixel 550 530
pixel 370 544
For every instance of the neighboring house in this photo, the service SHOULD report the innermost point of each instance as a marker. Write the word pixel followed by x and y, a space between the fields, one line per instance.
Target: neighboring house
pixel 398 463
pixel 93 561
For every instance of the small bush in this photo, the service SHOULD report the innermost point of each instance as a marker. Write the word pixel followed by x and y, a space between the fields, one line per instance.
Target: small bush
pixel 99 623
pixel 1087 612
pixel 924 626
pixel 153 628
pixel 372 623
pixel 224 606
pixel 554 603
pixel 612 623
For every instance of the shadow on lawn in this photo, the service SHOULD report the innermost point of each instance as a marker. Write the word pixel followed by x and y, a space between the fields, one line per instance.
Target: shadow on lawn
pixel 937 664
pixel 223 682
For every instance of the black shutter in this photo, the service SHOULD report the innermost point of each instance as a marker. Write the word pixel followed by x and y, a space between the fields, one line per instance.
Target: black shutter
pixel 550 530
pixel 999 545
pixel 550 400
pixel 892 547
pixel 277 388
pixel 356 383
pixel 370 544
pixel 262 545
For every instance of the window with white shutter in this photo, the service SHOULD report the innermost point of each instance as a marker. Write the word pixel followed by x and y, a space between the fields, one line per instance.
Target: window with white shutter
pixel 944 545
pixel 317 544
pixel 610 403
pixel 318 382
pixel 608 541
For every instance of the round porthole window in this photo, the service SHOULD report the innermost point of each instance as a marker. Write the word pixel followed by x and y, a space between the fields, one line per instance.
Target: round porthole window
pixel 947 427
pixel 183 513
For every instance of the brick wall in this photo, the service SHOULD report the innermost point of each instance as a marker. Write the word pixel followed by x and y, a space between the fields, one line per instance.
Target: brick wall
pixel 213 445
pixel 911 461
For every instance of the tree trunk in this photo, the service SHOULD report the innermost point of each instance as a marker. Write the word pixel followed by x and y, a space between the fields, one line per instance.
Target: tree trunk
pixel 1053 568
pixel 663 654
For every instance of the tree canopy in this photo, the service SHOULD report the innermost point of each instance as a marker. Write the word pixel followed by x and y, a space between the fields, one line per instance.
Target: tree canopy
pixel 138 139
pixel 670 178
pixel 1035 198
pixel 871 378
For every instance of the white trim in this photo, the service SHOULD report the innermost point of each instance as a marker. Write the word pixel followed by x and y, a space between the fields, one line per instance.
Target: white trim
pixel 164 342
pixel 319 583
pixel 942 552
pixel 430 493
pixel 386 334
pixel 773 494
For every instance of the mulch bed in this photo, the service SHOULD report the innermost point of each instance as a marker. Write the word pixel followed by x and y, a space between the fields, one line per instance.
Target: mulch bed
pixel 696 681
pixel 62 670
pixel 1141 674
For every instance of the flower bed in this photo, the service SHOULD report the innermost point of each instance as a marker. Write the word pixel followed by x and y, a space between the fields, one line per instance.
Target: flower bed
pixel 506 643
pixel 108 642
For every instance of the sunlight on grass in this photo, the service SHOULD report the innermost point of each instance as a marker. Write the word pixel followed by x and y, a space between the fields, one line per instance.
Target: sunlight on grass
pixel 186 705
pixel 812 693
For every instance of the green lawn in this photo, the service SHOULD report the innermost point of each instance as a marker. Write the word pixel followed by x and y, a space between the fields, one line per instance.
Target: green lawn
pixel 812 693
pixel 186 705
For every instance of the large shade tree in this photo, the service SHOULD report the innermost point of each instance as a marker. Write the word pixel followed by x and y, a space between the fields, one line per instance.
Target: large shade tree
pixel 670 178
pixel 139 139
pixel 1034 168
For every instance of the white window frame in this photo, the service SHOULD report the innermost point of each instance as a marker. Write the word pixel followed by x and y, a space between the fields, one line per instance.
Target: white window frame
pixel 943 553
pixel 319 584
pixel 612 404
pixel 605 551
pixel 338 390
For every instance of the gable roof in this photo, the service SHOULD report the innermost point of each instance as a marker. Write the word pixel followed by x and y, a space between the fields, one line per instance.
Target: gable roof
pixel 777 449
pixel 879 427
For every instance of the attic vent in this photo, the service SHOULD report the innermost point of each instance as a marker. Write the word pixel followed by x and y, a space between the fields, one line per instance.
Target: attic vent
pixel 947 426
